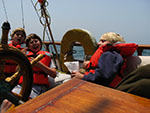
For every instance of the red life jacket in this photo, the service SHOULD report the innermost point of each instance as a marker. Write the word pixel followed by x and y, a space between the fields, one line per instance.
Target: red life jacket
pixel 10 66
pixel 19 46
pixel 125 50
pixel 39 77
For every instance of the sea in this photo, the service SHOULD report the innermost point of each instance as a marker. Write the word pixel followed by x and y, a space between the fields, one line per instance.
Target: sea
pixel 79 54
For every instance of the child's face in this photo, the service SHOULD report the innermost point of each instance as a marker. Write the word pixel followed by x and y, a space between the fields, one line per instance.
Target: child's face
pixel 18 38
pixel 34 45
pixel 103 42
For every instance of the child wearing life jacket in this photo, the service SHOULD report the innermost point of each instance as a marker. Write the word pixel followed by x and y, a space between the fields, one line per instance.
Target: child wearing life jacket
pixel 42 69
pixel 18 37
pixel 106 63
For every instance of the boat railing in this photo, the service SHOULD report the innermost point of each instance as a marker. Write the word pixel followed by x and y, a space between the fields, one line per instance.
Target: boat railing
pixel 140 49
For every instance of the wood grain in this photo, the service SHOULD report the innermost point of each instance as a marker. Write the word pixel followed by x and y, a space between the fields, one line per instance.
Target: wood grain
pixel 78 96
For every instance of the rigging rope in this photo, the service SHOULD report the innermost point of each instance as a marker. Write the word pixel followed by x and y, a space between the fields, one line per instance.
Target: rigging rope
pixel 22 14
pixel 41 16
pixel 5 10
pixel 6 15
pixel 35 9
pixel 45 20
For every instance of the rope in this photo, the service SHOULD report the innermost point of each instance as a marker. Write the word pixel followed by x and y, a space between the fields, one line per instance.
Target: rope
pixel 35 9
pixel 45 20
pixel 22 14
pixel 41 17
pixel 5 10
pixel 6 15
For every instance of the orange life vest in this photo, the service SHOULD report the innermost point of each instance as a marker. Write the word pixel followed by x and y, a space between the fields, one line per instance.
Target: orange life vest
pixel 125 50
pixel 39 77
pixel 10 66
pixel 19 46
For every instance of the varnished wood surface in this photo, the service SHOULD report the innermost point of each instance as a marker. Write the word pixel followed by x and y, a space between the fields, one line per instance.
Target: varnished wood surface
pixel 78 96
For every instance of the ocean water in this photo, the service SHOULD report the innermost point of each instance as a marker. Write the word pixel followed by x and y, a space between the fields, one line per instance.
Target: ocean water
pixel 80 52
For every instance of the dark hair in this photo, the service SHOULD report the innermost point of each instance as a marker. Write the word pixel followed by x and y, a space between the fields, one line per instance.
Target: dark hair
pixel 32 36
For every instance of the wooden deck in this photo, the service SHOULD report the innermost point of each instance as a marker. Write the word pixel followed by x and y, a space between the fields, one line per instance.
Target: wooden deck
pixel 78 96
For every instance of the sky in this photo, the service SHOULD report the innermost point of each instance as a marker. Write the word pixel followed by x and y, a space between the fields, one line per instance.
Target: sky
pixel 129 18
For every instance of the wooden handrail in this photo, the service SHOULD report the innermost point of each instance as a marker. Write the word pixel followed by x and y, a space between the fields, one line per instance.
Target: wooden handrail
pixel 140 48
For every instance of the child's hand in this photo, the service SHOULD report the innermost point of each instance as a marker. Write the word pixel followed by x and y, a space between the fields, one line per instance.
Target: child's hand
pixel 77 75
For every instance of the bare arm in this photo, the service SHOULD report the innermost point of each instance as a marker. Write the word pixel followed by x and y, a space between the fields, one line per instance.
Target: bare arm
pixel 46 69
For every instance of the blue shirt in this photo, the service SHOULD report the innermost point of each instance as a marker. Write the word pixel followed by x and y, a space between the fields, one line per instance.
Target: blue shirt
pixel 109 65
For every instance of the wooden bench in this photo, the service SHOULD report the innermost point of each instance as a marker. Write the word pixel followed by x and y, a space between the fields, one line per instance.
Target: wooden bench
pixel 78 96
